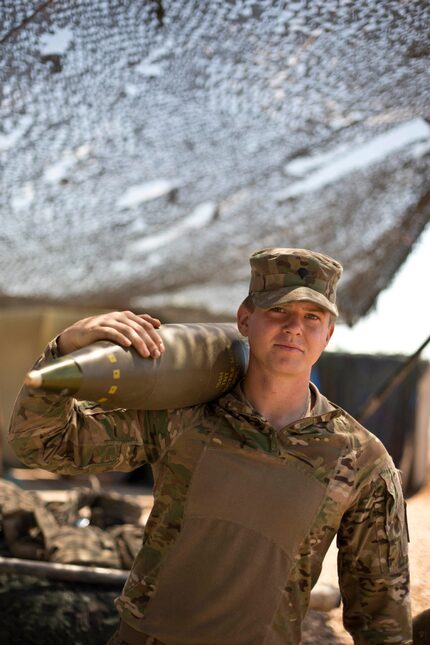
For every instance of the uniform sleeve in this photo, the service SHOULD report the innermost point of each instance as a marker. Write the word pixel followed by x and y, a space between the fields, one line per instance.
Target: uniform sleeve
pixel 67 436
pixel 373 564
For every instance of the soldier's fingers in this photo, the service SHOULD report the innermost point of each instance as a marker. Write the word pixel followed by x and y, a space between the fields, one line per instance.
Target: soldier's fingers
pixel 129 338
pixel 140 319
pixel 155 322
pixel 152 341
pixel 108 332
pixel 145 325
pixel 122 327
pixel 148 339
pixel 148 326
pixel 145 340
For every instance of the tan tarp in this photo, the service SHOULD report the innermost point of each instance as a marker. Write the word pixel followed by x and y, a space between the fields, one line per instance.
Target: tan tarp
pixel 23 334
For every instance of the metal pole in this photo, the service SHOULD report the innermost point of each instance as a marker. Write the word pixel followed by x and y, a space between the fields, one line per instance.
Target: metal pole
pixel 66 572
pixel 375 400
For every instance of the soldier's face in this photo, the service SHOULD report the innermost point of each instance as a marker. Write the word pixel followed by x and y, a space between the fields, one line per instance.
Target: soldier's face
pixel 288 338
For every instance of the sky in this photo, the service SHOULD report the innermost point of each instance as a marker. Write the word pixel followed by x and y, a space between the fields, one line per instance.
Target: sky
pixel 400 322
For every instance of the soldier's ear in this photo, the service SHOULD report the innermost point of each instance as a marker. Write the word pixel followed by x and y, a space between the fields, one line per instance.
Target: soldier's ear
pixel 243 319
pixel 330 332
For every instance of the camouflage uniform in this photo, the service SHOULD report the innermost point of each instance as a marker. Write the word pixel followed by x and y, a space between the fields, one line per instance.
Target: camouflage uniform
pixel 243 515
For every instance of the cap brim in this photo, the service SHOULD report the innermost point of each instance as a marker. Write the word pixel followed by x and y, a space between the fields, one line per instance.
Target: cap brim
pixel 267 299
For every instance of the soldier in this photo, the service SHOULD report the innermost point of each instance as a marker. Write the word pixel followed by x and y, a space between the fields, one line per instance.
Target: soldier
pixel 250 489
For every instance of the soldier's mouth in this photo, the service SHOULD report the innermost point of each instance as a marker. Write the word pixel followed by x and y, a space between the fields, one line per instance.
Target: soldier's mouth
pixel 289 348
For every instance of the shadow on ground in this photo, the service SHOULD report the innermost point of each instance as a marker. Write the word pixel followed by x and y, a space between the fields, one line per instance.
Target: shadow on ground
pixel 317 630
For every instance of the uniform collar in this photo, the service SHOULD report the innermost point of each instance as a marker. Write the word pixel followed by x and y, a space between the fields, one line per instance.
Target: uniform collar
pixel 236 403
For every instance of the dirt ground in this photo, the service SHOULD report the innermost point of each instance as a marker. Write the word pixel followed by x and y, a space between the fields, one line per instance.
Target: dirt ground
pixel 329 626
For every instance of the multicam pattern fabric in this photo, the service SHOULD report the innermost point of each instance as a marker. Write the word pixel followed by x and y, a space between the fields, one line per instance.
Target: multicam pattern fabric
pixel 281 275
pixel 240 508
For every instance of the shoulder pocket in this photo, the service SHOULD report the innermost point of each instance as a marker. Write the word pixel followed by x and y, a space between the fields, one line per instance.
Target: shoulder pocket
pixel 394 520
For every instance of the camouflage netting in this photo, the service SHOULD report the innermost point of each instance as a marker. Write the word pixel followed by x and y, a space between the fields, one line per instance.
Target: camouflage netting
pixel 42 612
pixel 49 612
pixel 147 147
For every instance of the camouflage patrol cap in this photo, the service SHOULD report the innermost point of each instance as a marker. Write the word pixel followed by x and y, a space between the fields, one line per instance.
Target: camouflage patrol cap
pixel 279 276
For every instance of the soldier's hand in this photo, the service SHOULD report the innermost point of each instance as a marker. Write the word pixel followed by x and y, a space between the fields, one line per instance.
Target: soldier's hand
pixel 122 327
